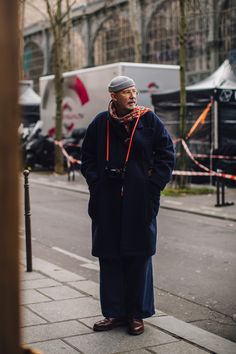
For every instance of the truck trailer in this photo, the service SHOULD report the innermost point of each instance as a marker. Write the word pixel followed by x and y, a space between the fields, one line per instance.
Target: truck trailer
pixel 86 91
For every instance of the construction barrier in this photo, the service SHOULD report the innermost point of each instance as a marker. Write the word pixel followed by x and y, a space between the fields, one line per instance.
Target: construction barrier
pixel 200 165
pixel 70 160
pixel 205 174
pixel 220 157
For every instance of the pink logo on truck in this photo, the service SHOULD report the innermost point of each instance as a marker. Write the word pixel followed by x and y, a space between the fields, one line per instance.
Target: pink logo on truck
pixel 80 90
pixel 66 106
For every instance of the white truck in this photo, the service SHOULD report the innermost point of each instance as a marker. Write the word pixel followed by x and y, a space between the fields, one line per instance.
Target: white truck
pixel 86 93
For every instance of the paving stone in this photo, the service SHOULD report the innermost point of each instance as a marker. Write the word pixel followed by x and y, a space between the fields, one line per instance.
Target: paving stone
pixel 29 318
pixel 44 266
pixel 88 286
pixel 118 341
pixel 180 347
pixel 32 297
pixel 55 271
pixel 61 292
pixel 54 347
pixel 56 311
pixel 194 334
pixel 31 276
pixel 38 283
pixel 63 275
pixel 53 331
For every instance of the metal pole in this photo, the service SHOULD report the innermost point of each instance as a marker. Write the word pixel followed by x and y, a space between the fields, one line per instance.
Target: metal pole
pixel 218 189
pixel 223 191
pixel 216 127
pixel 27 224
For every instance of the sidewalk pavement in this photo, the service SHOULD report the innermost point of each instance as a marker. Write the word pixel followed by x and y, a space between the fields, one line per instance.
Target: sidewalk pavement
pixel 60 307
pixel 199 204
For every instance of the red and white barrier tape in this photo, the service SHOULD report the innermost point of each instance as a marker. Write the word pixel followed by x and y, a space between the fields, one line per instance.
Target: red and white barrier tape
pixel 190 173
pixel 192 158
pixel 207 174
pixel 223 157
pixel 208 171
pixel 70 159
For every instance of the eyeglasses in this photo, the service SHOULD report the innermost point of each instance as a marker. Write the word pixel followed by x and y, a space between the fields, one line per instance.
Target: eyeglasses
pixel 129 92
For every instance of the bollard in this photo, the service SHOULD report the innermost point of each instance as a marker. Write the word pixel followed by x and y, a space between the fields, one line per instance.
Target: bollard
pixel 71 171
pixel 220 192
pixel 223 192
pixel 27 224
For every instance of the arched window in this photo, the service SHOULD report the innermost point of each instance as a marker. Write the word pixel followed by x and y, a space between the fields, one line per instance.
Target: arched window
pixel 73 54
pixel 77 51
pixel 114 42
pixel 33 62
pixel 162 37
pixel 227 32
pixel 162 41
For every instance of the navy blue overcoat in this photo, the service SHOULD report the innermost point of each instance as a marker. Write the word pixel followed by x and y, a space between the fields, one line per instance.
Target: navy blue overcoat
pixel 126 225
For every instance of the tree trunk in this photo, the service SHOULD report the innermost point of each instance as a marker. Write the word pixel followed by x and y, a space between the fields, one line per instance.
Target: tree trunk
pixel 182 181
pixel 58 82
pixel 9 189
pixel 68 65
pixel 133 18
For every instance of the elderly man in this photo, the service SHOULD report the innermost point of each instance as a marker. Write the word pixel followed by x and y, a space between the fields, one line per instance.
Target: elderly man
pixel 127 159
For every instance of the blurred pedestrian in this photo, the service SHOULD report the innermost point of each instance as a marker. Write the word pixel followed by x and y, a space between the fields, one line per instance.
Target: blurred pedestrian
pixel 127 159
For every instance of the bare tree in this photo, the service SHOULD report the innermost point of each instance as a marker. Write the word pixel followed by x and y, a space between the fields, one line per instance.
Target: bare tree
pixel 182 180
pixel 133 18
pixel 183 6
pixel 55 18
pixel 59 28
pixel 68 64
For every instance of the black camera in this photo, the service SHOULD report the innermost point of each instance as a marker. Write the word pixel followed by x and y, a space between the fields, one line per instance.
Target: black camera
pixel 113 173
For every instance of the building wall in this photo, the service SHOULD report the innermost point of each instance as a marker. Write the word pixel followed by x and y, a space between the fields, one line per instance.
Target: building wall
pixel 106 31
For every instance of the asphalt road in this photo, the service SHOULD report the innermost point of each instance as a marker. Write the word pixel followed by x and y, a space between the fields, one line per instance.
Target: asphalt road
pixel 194 268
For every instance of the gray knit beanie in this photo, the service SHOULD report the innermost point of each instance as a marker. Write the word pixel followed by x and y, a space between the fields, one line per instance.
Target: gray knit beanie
pixel 120 83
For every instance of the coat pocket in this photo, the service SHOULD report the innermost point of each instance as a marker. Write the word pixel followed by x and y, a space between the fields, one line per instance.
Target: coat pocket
pixel 93 200
pixel 153 193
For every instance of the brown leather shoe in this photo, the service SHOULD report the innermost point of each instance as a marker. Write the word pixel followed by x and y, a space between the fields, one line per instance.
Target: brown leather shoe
pixel 109 323
pixel 136 326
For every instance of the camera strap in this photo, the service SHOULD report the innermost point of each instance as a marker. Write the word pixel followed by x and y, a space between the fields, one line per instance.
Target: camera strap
pixel 130 141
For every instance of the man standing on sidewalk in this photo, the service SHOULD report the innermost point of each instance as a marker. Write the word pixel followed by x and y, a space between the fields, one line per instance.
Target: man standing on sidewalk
pixel 127 159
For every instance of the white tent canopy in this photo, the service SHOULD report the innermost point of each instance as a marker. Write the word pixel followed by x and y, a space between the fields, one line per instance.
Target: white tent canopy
pixel 222 78
pixel 27 96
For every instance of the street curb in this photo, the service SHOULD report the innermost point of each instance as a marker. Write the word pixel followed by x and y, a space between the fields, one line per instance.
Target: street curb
pixel 85 191
pixel 189 211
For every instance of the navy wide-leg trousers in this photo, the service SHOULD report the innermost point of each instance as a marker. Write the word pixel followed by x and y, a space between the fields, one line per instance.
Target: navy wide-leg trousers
pixel 126 287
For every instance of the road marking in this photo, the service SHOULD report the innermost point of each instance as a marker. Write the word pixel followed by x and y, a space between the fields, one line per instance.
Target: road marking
pixel 73 255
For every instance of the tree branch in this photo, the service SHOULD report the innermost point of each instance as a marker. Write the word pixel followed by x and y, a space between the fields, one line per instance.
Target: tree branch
pixel 50 14
pixel 35 8
pixel 67 10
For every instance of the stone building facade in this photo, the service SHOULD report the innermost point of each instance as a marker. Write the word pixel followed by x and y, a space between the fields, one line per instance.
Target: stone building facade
pixel 108 31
